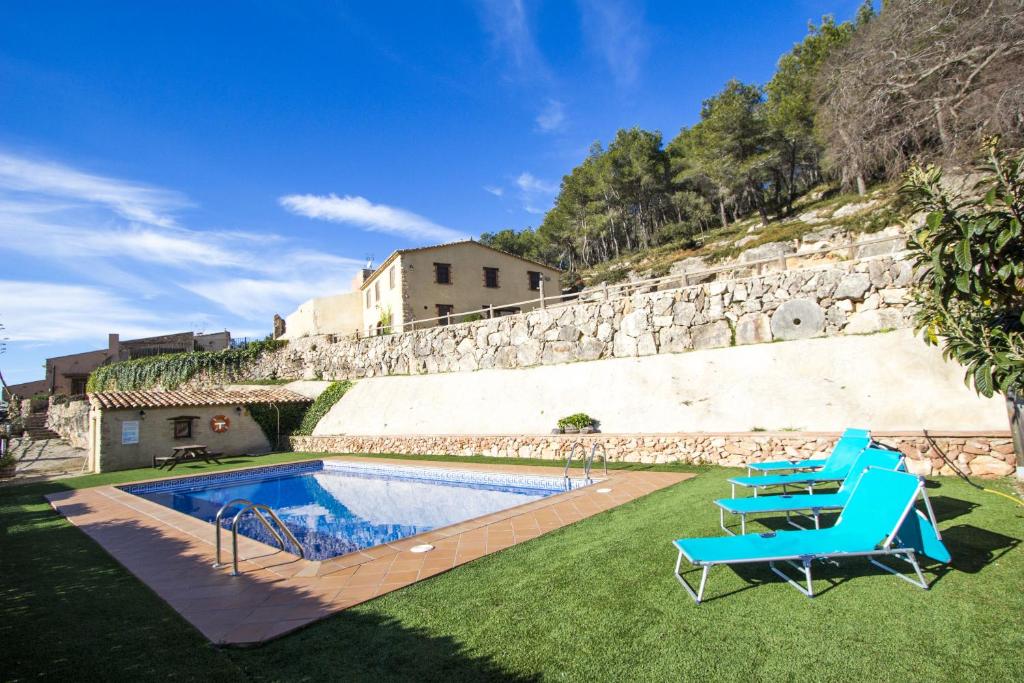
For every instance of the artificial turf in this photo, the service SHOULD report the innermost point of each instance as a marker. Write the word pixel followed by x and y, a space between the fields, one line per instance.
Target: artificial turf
pixel 592 601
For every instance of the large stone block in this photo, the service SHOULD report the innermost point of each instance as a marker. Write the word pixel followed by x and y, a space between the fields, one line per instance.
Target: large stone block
pixel 674 340
pixel 713 335
pixel 753 328
pixel 853 286
pixel 623 345
pixel 798 319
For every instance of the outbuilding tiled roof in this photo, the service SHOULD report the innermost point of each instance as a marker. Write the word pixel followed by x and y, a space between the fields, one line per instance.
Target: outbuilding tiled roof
pixel 183 398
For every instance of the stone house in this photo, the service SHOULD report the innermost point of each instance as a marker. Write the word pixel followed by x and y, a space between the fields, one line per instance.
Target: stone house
pixel 427 282
pixel 445 280
pixel 128 428
pixel 67 375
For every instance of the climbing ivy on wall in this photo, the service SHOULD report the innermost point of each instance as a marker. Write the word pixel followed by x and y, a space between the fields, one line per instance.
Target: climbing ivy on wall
pixel 171 370
pixel 266 417
pixel 320 407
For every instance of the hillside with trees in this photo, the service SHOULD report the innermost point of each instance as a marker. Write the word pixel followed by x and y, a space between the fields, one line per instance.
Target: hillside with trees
pixel 850 106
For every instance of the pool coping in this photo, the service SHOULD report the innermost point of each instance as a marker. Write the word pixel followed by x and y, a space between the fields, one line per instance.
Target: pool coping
pixel 278 592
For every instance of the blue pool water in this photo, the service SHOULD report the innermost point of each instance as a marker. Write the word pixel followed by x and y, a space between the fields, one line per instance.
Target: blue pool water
pixel 336 508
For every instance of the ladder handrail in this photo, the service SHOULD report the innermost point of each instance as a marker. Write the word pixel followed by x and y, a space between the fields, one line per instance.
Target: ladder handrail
pixel 568 461
pixel 258 509
pixel 590 461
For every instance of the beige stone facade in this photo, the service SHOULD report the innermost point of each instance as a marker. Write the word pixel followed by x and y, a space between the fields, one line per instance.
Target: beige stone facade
pixel 341 314
pixel 156 434
pixel 424 283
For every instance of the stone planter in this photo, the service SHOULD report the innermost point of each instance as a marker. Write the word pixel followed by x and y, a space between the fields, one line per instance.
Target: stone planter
pixel 7 471
pixel 570 429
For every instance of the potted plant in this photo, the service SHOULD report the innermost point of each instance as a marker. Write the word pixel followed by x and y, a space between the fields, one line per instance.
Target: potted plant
pixel 578 422
pixel 8 463
pixel 970 259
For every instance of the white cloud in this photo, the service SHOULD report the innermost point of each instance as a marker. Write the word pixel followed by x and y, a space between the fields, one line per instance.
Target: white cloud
pixel 552 117
pixel 509 25
pixel 616 31
pixel 363 213
pixel 134 201
pixel 535 194
pixel 495 190
pixel 50 312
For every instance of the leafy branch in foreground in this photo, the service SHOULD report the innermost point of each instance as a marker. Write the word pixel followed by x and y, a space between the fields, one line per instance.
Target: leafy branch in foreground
pixel 970 259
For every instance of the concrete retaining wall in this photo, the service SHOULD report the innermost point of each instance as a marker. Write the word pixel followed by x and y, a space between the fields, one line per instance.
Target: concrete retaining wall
pixel 890 381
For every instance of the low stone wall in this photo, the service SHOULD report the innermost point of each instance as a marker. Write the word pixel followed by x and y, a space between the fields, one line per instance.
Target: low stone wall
pixel 854 297
pixel 71 421
pixel 977 454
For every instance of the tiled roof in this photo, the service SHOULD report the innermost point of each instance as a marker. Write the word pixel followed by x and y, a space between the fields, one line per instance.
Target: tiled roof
pixel 193 397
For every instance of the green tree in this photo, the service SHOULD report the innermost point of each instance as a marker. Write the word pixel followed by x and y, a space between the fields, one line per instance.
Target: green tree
pixel 970 256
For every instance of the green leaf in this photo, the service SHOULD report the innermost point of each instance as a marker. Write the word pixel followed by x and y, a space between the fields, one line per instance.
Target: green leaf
pixel 990 197
pixel 934 219
pixel 983 380
pixel 962 252
pixel 963 282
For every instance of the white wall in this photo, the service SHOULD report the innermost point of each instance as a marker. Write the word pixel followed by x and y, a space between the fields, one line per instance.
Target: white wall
pixel 889 381
pixel 338 314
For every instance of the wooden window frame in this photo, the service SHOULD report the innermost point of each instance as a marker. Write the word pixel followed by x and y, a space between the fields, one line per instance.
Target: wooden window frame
pixel 497 277
pixel 448 267
pixel 391 277
pixel 529 279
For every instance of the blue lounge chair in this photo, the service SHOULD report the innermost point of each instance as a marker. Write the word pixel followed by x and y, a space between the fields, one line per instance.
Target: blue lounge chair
pixel 879 520
pixel 834 470
pixel 812 503
pixel 777 466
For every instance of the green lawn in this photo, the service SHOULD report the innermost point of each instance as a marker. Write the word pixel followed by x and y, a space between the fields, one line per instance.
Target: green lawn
pixel 593 601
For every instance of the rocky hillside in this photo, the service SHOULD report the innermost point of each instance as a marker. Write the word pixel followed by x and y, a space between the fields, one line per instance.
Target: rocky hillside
pixel 821 219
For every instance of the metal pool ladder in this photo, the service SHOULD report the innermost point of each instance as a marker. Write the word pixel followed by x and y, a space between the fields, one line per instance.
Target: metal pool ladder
pixel 257 509
pixel 588 461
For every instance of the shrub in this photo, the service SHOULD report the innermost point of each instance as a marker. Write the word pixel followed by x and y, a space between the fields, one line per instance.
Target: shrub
pixel 321 406
pixel 577 420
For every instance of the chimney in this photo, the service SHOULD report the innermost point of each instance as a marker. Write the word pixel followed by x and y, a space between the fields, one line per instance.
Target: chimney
pixel 114 343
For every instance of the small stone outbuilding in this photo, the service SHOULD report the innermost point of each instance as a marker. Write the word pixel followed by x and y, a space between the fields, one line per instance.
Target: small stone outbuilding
pixel 128 428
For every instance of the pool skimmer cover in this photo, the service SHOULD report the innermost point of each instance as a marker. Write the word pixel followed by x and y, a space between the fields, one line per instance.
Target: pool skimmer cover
pixel 426 547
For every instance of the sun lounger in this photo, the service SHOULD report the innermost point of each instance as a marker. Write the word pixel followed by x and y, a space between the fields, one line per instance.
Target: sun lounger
pixel 880 520
pixel 779 466
pixel 813 504
pixel 835 469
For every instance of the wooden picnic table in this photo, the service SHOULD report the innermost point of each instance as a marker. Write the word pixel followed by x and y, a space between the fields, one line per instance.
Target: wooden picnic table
pixel 196 451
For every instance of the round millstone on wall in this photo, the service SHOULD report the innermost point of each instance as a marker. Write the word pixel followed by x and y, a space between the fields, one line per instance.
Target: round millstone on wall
pixel 798 319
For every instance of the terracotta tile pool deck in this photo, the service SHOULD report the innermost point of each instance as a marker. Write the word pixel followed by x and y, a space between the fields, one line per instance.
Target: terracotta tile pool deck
pixel 277 592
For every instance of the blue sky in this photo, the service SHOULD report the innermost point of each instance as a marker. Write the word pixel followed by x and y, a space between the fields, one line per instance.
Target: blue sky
pixel 175 166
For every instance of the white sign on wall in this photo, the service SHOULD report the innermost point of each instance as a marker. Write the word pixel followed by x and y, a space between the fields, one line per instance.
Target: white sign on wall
pixel 130 432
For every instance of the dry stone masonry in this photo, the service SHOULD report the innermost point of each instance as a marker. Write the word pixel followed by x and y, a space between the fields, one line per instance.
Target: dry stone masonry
pixel 847 298
pixel 979 455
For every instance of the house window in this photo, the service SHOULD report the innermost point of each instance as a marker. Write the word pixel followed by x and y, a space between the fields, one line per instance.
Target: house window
pixel 376 290
pixel 78 385
pixel 534 279
pixel 367 298
pixel 391 277
pixel 183 428
pixel 443 273
pixel 491 277
pixel 443 311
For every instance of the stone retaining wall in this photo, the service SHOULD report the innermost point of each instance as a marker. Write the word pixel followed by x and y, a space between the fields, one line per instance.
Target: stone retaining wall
pixel 71 421
pixel 977 454
pixel 845 298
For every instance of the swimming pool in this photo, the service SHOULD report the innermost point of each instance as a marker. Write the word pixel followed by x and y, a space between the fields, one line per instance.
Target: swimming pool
pixel 335 507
